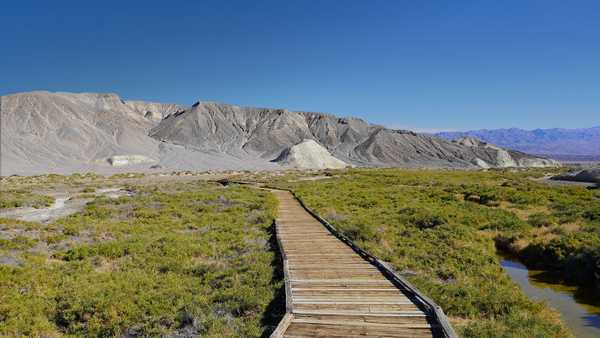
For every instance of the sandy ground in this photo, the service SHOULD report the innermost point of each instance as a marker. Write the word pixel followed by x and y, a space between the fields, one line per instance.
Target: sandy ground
pixel 63 206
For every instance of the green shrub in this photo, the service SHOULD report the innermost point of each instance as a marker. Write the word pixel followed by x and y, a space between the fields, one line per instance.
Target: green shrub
pixel 592 215
pixel 539 220
pixel 489 199
pixel 20 199
pixel 360 232
pixel 427 221
pixel 17 243
pixel 506 224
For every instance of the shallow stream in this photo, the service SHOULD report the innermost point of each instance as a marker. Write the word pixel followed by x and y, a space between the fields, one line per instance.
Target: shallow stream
pixel 579 309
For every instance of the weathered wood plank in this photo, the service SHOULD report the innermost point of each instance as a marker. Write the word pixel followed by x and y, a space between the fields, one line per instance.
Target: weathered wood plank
pixel 331 291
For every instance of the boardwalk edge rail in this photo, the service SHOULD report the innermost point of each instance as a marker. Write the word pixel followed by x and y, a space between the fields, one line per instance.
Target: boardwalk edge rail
pixel 289 316
pixel 427 303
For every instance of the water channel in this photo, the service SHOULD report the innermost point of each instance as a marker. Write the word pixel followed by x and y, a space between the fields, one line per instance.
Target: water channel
pixel 578 307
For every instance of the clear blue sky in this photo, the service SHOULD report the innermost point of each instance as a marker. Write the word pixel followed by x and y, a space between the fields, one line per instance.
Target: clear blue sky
pixel 423 64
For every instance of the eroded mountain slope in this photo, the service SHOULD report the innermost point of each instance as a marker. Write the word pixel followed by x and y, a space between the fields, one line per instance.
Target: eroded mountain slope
pixel 64 132
pixel 264 133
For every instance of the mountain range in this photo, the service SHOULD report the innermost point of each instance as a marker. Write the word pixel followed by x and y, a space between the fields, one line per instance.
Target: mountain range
pixel 45 132
pixel 581 144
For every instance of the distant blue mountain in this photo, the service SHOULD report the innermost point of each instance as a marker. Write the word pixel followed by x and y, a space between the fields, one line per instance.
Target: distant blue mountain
pixel 563 144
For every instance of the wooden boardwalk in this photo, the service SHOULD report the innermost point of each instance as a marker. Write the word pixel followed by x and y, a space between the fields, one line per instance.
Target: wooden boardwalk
pixel 334 292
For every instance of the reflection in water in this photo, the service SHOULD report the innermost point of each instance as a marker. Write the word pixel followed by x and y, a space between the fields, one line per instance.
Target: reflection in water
pixel 578 307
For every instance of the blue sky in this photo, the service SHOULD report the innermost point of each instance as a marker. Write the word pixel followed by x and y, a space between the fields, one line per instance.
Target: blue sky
pixel 418 64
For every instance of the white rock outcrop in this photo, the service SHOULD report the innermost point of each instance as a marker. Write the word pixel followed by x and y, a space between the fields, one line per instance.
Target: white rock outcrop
pixel 480 163
pixel 309 154
pixel 123 160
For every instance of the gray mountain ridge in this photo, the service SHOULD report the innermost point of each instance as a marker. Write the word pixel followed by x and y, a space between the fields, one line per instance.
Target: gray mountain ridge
pixel 266 132
pixel 65 132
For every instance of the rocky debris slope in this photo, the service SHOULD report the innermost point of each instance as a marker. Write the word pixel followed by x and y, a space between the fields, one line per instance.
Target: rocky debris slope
pixel 308 154
pixel 63 132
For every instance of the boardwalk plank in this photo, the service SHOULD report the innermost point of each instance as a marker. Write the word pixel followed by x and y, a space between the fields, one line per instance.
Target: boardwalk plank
pixel 333 291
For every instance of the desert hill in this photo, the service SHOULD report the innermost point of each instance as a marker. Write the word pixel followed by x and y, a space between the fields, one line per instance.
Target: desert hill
pixel 64 132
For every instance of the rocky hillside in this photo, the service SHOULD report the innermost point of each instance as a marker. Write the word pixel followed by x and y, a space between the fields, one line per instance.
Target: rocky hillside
pixel 265 133
pixel 488 155
pixel 64 132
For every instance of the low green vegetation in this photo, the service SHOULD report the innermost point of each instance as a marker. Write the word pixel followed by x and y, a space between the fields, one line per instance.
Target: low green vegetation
pixel 442 230
pixel 184 256
pixel 188 258
pixel 16 198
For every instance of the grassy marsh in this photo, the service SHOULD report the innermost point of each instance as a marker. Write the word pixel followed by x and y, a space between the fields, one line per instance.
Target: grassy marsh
pixel 195 257
pixel 186 258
